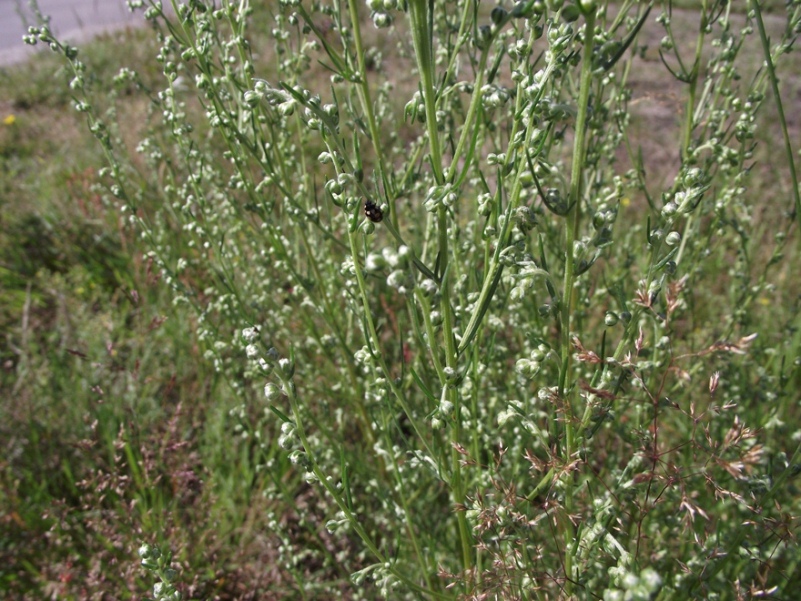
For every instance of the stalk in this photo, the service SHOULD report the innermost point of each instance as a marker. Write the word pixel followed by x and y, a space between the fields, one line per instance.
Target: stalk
pixel 407 512
pixel 375 343
pixel 472 113
pixel 774 85
pixel 364 94
pixel 571 233
pixel 423 47
pixel 329 486
pixel 423 50
pixel 689 116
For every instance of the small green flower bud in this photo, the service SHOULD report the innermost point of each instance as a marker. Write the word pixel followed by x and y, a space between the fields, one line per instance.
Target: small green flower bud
pixel 286 441
pixel 527 368
pixel 272 392
pixel 287 367
pixel 251 98
pixel 484 36
pixel 333 187
pixel 298 457
pixel 332 111
pixel 381 19
pixel 145 551
pixel 429 287
pixel 571 13
pixel 611 318
pixel 522 10
pixel 331 526
pixel 286 109
pixel 498 15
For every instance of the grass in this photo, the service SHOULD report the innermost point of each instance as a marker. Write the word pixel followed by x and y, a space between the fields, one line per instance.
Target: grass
pixel 95 361
pixel 224 359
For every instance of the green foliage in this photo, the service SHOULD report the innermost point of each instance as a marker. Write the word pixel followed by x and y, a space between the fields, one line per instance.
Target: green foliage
pixel 502 307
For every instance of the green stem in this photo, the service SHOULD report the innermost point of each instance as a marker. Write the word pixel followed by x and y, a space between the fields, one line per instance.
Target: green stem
pixel 571 230
pixel 422 37
pixel 364 94
pixel 492 273
pixel 774 84
pixel 461 37
pixel 472 112
pixel 451 362
pixel 423 50
pixel 689 117
pixel 429 328
pixel 407 512
pixel 374 342
pixel 330 487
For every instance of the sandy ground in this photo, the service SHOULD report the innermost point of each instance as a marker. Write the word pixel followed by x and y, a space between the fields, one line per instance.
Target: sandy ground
pixel 72 20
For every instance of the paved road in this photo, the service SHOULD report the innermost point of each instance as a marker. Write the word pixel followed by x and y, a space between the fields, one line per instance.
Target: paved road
pixel 73 20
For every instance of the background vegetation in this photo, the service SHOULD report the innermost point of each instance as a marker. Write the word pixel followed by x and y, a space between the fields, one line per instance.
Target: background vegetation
pixel 208 347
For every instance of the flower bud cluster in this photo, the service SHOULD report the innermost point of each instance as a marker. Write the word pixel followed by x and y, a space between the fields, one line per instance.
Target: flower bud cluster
pixel 485 203
pixel 444 195
pixel 401 280
pixel 533 85
pixel 415 108
pixel 560 36
pixel 381 11
pixel 363 357
pixel 154 561
pixel 520 49
pixel 338 525
pixel 288 439
pixel 429 287
pixel 525 279
pixel 494 96
pixel 530 367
